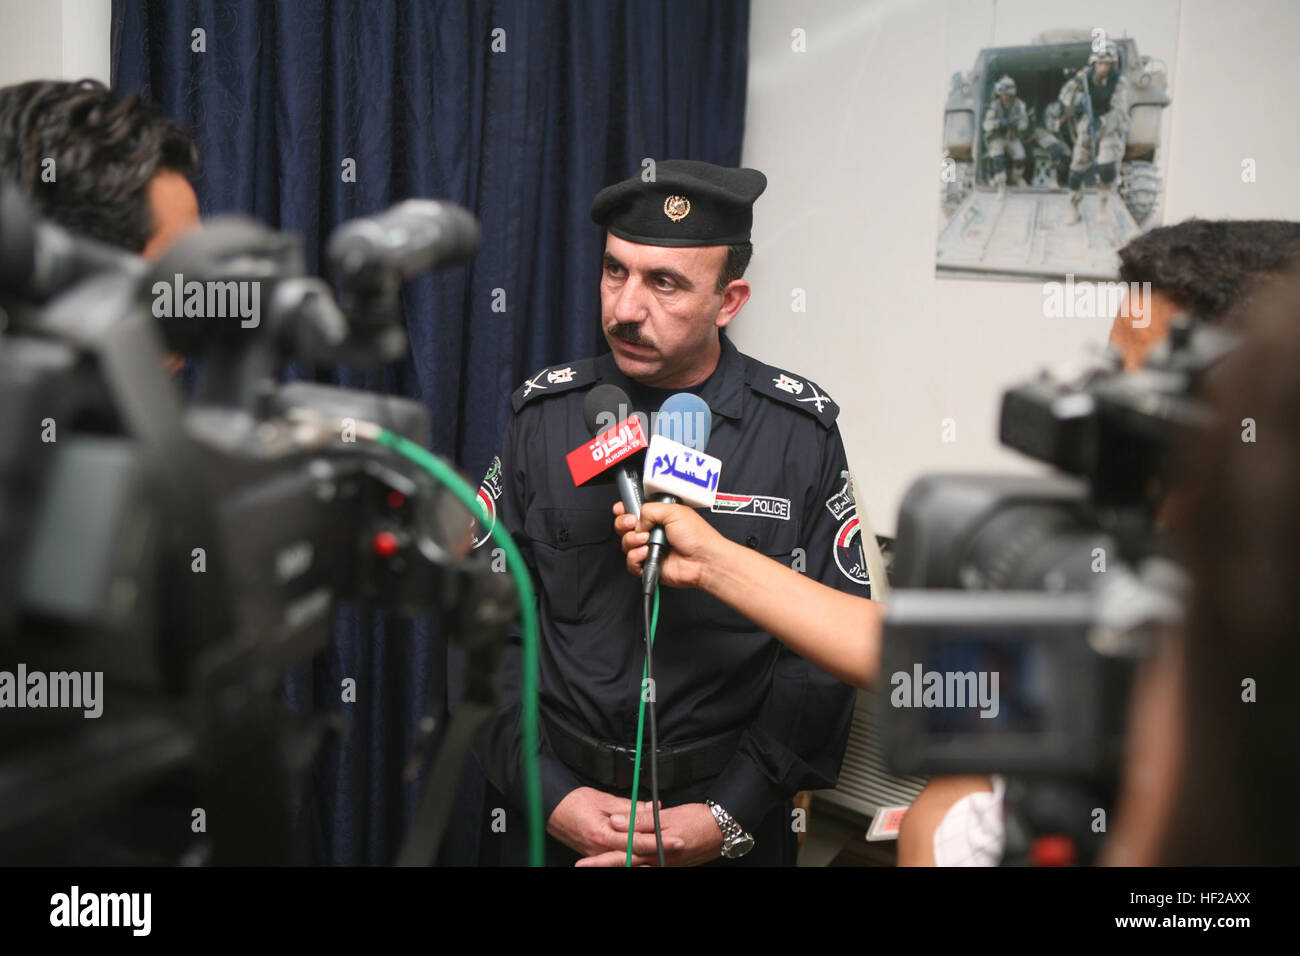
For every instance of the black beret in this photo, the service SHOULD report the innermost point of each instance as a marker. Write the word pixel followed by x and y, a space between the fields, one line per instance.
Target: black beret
pixel 689 204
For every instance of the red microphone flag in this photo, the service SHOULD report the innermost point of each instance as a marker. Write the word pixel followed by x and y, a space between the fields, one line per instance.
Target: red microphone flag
pixel 606 450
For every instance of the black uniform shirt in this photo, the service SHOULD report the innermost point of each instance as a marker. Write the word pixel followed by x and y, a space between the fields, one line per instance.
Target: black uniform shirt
pixel 783 490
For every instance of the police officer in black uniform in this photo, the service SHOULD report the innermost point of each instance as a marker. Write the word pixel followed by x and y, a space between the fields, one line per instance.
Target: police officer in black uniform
pixel 743 723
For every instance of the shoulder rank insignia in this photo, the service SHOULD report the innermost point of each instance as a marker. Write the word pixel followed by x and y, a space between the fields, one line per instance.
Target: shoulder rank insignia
pixel 799 392
pixel 552 380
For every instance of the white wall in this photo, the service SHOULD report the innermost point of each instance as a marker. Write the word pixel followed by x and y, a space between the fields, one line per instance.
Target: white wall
pixel 54 40
pixel 849 135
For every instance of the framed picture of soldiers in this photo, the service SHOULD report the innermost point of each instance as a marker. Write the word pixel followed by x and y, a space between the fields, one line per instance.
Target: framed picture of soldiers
pixel 1054 125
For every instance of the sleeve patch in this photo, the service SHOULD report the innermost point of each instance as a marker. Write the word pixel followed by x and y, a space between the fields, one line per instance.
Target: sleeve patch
pixel 850 557
pixel 488 493
pixel 842 502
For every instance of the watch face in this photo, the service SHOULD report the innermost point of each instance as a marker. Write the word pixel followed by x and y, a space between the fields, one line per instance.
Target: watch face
pixel 739 847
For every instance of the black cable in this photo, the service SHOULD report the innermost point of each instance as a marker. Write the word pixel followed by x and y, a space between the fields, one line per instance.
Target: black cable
pixel 654 732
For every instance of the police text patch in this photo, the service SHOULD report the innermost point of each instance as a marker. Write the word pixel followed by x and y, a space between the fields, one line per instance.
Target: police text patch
pixel 764 506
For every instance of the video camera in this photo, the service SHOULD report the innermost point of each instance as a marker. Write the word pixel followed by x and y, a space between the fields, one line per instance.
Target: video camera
pixel 1022 605
pixel 190 552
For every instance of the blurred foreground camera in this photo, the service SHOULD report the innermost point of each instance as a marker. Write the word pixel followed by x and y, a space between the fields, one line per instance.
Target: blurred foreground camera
pixel 1023 604
pixel 185 554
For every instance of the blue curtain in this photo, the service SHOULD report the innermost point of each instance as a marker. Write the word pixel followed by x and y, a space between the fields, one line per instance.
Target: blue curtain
pixel 520 111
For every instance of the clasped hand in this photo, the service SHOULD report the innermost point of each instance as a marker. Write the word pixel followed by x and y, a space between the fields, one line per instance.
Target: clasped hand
pixel 595 824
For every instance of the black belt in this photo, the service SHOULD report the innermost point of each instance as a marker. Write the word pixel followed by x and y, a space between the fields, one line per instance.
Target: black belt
pixel 611 765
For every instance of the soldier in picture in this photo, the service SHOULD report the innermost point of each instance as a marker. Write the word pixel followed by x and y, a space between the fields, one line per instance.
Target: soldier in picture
pixel 1005 121
pixel 1096 100
pixel 1047 136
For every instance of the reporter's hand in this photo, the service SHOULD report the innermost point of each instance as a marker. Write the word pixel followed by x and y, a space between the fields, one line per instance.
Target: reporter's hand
pixel 581 822
pixel 694 544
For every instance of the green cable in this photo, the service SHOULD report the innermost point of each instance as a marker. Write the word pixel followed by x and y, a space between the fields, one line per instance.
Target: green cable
pixel 640 724
pixel 527 612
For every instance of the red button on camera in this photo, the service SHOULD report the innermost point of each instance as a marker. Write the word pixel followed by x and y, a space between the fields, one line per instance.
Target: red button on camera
pixel 385 544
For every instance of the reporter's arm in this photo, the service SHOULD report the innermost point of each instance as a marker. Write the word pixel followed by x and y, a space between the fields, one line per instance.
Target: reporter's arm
pixel 838 632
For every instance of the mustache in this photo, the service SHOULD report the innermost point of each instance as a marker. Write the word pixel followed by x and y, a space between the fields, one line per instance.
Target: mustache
pixel 630 334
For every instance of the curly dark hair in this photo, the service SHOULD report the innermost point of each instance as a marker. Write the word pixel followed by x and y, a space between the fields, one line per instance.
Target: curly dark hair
pixel 106 148
pixel 1204 265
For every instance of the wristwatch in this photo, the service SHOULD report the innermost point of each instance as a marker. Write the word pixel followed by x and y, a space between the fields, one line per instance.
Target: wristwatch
pixel 735 841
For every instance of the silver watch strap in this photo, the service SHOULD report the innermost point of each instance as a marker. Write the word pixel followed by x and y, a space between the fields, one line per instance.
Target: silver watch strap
pixel 729 825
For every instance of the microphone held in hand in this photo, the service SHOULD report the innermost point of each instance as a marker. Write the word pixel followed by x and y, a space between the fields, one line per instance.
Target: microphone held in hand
pixel 677 469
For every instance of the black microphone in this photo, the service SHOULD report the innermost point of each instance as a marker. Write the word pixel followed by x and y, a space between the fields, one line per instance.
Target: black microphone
pixel 372 254
pixel 604 407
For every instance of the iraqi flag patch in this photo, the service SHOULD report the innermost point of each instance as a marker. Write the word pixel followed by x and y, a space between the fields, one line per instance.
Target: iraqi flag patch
pixel 850 557
pixel 488 493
